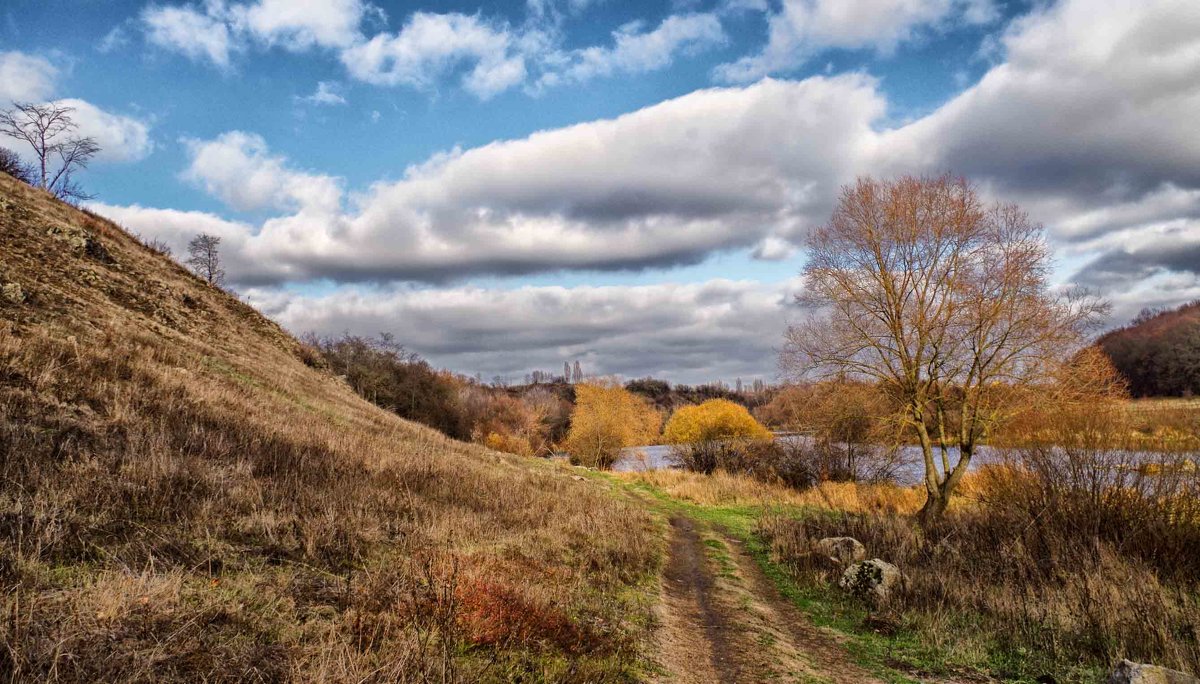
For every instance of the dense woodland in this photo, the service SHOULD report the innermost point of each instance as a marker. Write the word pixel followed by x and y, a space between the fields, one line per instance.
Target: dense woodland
pixel 1159 352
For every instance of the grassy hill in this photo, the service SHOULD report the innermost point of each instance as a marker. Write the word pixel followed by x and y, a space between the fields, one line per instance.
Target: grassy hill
pixel 1159 353
pixel 184 498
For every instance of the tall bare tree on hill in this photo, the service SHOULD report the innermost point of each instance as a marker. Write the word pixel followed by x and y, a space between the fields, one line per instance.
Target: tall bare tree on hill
pixel 49 130
pixel 205 258
pixel 943 301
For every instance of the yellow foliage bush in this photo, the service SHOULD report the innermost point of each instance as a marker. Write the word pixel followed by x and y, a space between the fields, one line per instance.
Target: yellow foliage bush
pixel 508 443
pixel 606 419
pixel 715 419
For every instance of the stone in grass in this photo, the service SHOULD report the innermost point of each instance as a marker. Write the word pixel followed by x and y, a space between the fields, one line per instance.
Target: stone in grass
pixel 13 293
pixel 1129 672
pixel 842 551
pixel 871 581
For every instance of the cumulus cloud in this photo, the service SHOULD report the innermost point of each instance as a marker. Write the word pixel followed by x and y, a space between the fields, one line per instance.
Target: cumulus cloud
pixel 215 30
pixel 488 56
pixel 1088 123
pixel 121 138
pixel 196 34
pixel 670 184
pixel 34 79
pixel 238 169
pixel 430 45
pixel 690 333
pixel 25 77
pixel 176 228
pixel 302 24
pixel 1087 120
pixel 802 28
pixel 635 50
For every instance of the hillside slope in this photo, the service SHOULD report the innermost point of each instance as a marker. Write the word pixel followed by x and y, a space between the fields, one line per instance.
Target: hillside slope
pixel 1159 353
pixel 182 498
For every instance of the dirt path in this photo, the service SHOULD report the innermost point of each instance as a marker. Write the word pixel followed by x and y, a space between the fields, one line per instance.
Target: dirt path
pixel 724 621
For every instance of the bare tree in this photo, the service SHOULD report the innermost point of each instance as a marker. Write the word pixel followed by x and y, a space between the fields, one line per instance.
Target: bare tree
pixel 945 303
pixel 48 129
pixel 205 258
pixel 566 371
pixel 577 373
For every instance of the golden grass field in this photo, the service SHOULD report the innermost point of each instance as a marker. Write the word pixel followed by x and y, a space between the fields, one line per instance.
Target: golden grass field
pixel 183 498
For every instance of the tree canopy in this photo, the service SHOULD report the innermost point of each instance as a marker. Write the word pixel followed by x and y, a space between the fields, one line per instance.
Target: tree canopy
pixel 918 285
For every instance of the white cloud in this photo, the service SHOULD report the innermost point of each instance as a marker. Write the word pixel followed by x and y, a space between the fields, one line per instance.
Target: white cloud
pixel 302 24
pixel 636 51
pixel 487 56
pixel 238 169
pixel 1088 122
pixel 431 45
pixel 176 228
pixel 121 138
pixel 25 77
pixel 327 93
pixel 190 32
pixel 692 332
pixel 34 79
pixel 802 28
pixel 669 184
pixel 217 29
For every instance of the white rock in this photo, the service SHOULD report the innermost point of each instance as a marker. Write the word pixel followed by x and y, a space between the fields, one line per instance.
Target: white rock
pixel 842 550
pixel 872 581
pixel 1129 672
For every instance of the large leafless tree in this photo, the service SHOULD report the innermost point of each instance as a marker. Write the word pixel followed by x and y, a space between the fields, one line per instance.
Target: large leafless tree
pixel 942 300
pixel 59 154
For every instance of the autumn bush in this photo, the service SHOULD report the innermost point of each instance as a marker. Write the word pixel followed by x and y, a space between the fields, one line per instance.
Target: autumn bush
pixel 606 419
pixel 713 420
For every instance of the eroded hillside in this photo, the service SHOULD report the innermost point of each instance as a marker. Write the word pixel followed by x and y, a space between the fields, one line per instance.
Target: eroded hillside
pixel 183 498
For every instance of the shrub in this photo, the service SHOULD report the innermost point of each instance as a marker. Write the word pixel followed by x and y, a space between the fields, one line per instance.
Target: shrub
pixel 383 372
pixel 606 419
pixel 714 420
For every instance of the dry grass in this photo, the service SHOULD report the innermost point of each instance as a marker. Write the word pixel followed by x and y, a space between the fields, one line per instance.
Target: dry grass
pixel 1040 572
pixel 723 489
pixel 183 499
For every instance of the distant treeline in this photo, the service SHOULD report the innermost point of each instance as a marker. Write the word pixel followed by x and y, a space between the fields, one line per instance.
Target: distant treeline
pixel 530 419
pixel 1158 353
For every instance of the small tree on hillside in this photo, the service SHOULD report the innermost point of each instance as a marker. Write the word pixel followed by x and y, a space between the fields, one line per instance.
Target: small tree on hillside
pixel 205 259
pixel 941 300
pixel 48 129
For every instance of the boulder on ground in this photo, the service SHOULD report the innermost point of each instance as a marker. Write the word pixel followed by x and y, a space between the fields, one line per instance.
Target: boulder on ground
pixel 842 551
pixel 1129 672
pixel 872 581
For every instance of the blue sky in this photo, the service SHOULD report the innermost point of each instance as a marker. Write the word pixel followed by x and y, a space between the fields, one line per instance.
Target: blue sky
pixel 508 185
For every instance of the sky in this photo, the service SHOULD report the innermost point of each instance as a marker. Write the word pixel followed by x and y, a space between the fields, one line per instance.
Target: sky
pixel 508 185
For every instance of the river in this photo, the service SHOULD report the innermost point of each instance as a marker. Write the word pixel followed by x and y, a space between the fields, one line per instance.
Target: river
pixel 909 472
